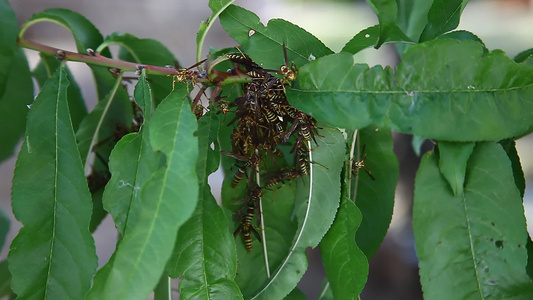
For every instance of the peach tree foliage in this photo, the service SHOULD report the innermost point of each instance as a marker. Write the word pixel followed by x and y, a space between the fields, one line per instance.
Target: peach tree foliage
pixel 75 166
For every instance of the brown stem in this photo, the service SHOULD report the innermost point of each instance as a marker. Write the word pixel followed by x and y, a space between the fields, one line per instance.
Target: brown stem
pixel 97 59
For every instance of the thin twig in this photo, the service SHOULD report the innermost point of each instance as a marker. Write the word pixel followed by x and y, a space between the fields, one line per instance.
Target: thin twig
pixel 96 135
pixel 95 58
pixel 352 152
pixel 302 229
pixel 261 217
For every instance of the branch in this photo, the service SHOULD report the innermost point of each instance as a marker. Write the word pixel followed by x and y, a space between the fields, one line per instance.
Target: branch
pixel 212 78
pixel 95 59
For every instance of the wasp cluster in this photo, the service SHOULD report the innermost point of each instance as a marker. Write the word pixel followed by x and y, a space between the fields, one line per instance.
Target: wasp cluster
pixel 264 120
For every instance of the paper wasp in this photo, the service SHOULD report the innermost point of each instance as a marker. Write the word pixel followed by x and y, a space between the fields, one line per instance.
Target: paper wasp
pixel 361 164
pixel 241 171
pixel 246 226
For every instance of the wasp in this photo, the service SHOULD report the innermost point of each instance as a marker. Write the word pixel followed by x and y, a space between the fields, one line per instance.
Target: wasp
pixel 248 162
pixel 185 75
pixel 248 64
pixel 361 164
pixel 282 176
pixel 246 226
pixel 301 153
pixel 199 111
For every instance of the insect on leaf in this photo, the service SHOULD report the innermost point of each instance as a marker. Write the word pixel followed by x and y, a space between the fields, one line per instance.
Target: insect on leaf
pixel 315 213
pixel 375 198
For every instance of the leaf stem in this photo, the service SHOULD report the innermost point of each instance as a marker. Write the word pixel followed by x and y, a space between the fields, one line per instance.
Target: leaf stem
pixel 302 229
pixel 352 154
pixel 324 291
pixel 94 140
pixel 263 236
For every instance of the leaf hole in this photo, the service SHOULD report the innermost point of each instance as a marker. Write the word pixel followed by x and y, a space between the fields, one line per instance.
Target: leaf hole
pixel 499 244
pixel 251 32
pixel 212 145
pixel 367 35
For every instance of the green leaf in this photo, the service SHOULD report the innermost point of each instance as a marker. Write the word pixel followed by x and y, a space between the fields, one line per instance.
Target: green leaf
pixel 5 280
pixel 163 290
pixel 296 294
pixel 279 230
pixel 315 214
pixel 4 227
pixel 98 127
pixel 131 164
pixel 370 36
pixel 375 198
pixel 478 96
pixel 443 16
pixel 416 143
pixel 8 36
pixel 387 13
pixel 76 104
pixel 346 265
pixel 144 51
pixel 412 16
pixel 204 255
pixel 412 19
pixel 476 241
pixel 509 146
pixel 53 256
pixel 524 56
pixel 17 95
pixel 143 97
pixel 168 199
pixel 325 291
pixel 452 163
pixel 86 36
pixel 98 214
pixel 529 266
pixel 217 6
pixel 264 44
pixel 463 35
